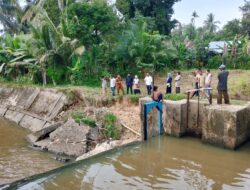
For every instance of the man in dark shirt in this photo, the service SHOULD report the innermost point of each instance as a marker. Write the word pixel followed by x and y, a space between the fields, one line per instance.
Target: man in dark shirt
pixel 222 85
pixel 129 83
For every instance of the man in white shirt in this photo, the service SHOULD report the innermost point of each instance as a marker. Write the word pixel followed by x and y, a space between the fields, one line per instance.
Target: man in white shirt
pixel 178 83
pixel 112 85
pixel 208 81
pixel 148 81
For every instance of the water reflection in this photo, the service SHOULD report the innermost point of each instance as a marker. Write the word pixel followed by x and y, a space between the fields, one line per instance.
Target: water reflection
pixel 167 163
pixel 241 182
pixel 17 160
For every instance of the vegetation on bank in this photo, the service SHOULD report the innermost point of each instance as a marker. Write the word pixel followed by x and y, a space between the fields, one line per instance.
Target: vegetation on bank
pixel 76 42
pixel 81 118
pixel 110 126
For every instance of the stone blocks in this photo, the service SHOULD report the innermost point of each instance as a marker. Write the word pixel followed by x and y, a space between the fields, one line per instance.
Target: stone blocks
pixel 226 126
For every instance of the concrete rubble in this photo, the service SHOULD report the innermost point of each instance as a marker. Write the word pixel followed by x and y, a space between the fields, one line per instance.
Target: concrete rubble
pixel 104 147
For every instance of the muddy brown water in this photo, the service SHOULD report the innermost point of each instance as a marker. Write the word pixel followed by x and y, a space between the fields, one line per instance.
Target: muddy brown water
pixel 17 160
pixel 161 163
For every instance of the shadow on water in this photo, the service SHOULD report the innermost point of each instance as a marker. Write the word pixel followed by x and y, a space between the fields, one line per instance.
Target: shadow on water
pixel 161 163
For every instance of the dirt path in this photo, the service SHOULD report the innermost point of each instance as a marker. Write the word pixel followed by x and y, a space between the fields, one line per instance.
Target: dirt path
pixel 129 115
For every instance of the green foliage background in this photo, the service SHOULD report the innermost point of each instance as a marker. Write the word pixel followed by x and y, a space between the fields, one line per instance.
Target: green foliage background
pixel 78 42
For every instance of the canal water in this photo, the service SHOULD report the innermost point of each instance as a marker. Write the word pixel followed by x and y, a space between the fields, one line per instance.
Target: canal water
pixel 17 160
pixel 164 163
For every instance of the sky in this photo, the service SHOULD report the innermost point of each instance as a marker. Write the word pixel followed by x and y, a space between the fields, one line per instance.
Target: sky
pixel 224 10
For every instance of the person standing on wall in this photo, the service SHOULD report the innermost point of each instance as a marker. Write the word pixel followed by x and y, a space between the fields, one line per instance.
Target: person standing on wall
pixel 112 85
pixel 208 81
pixel 169 84
pixel 148 81
pixel 195 84
pixel 200 77
pixel 129 83
pixel 178 83
pixel 222 85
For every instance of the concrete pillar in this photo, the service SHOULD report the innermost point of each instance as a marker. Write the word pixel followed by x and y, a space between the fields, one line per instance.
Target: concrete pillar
pixel 175 119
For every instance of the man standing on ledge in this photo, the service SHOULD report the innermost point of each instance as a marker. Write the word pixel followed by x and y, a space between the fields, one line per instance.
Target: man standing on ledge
pixel 222 85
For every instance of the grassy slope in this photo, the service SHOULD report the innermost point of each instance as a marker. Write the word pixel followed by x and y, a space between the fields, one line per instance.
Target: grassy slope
pixel 239 84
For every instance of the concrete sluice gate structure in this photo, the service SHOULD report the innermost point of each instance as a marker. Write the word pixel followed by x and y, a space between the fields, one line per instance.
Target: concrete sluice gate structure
pixel 226 126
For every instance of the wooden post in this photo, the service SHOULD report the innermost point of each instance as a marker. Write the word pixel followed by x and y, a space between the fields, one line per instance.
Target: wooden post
pixel 188 96
pixel 198 110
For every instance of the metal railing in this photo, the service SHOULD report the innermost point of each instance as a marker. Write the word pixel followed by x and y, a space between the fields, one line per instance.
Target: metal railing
pixel 188 92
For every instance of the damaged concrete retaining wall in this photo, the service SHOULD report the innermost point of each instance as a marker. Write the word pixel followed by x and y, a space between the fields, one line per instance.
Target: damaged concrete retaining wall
pixel 223 125
pixel 226 126
pixel 31 108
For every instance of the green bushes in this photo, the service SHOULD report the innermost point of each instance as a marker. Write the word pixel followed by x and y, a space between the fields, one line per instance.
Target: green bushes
pixel 134 99
pixel 174 97
pixel 214 62
pixel 80 118
pixel 245 88
pixel 111 130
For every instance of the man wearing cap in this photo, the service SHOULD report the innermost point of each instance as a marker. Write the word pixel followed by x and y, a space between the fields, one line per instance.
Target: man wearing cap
pixel 222 85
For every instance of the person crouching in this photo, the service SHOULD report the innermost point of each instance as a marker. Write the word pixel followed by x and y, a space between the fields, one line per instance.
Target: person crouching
pixel 157 95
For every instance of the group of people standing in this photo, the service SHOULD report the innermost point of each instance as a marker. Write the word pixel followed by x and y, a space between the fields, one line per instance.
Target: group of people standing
pixel 116 85
pixel 169 81
pixel 201 84
pixel 133 84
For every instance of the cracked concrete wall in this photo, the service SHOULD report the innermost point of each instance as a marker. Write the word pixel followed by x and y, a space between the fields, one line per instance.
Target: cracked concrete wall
pixel 175 120
pixel 227 126
pixel 31 108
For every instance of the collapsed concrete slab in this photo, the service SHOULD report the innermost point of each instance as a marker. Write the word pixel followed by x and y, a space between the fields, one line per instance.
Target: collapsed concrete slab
pixel 31 123
pixel 3 111
pixel 69 139
pixel 31 108
pixel 43 133
pixel 14 116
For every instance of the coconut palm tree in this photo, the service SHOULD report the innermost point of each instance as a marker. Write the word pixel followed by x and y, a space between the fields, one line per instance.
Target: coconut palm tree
pixel 50 47
pixel 194 16
pixel 210 24
pixel 10 13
